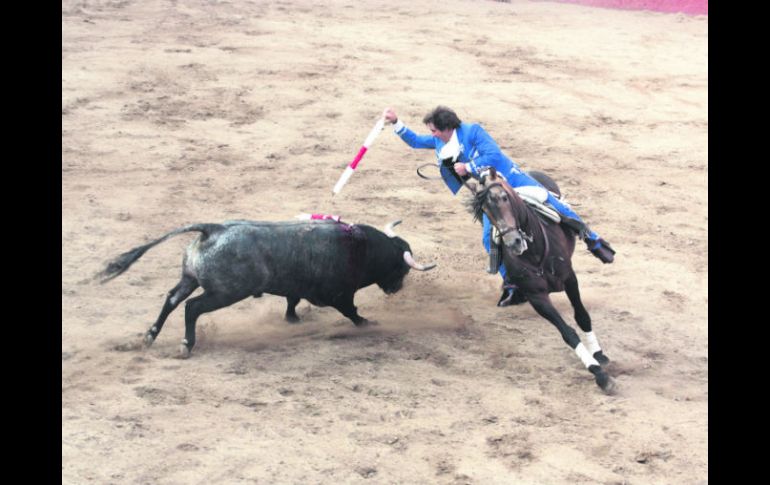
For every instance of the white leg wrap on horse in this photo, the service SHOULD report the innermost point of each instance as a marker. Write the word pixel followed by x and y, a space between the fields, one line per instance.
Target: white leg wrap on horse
pixel 592 344
pixel 585 356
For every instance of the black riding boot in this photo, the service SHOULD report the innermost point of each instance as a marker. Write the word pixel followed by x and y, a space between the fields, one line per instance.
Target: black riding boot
pixel 598 247
pixel 602 250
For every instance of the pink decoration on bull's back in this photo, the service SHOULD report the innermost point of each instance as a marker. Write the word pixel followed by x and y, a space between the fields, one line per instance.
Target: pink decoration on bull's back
pixel 318 217
pixel 324 217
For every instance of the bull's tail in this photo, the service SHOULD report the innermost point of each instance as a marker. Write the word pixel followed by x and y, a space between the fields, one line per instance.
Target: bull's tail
pixel 124 261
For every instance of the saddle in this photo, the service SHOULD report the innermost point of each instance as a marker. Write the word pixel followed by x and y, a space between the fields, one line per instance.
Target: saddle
pixel 535 197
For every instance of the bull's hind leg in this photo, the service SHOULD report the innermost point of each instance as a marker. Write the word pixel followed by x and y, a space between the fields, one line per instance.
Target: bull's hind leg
pixel 291 313
pixel 584 320
pixel 195 307
pixel 543 306
pixel 182 290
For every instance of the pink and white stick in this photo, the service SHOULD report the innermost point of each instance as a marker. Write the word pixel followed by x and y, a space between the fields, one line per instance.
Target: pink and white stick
pixel 352 166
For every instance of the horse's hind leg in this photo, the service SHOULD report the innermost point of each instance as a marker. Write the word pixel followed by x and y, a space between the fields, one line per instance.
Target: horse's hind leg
pixel 584 320
pixel 543 306
pixel 182 290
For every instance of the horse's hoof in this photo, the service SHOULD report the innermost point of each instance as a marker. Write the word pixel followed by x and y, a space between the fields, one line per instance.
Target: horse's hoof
pixel 292 319
pixel 148 339
pixel 601 358
pixel 366 323
pixel 603 380
pixel 184 352
pixel 609 386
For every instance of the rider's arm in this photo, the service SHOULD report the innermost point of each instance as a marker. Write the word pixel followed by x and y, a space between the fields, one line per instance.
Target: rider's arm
pixel 488 153
pixel 413 139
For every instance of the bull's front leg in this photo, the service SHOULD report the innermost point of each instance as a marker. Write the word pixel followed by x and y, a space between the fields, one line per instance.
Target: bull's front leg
pixel 344 304
pixel 543 306
pixel 291 312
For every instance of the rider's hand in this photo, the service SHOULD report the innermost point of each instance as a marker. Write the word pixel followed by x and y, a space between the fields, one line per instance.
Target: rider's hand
pixel 460 169
pixel 390 115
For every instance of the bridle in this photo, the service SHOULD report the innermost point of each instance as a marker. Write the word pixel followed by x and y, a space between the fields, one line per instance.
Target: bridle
pixel 509 229
pixel 524 235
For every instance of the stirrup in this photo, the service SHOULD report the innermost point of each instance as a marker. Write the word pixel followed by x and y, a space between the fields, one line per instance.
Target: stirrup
pixel 506 297
pixel 495 251
pixel 510 296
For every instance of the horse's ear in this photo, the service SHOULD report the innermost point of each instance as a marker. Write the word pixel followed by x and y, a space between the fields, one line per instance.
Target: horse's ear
pixel 492 173
pixel 471 186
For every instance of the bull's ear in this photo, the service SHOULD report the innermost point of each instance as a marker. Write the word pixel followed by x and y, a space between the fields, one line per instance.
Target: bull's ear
pixel 472 186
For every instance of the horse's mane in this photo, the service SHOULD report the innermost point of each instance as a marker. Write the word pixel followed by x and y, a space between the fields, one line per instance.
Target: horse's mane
pixel 475 204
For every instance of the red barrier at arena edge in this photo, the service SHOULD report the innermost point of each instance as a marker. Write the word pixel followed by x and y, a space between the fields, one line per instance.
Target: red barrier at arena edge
pixel 692 7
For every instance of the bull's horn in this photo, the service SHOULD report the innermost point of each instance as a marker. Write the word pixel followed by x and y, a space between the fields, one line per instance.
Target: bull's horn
pixel 389 228
pixel 414 264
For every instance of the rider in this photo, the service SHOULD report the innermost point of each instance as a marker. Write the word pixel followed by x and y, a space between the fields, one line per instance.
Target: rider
pixel 473 151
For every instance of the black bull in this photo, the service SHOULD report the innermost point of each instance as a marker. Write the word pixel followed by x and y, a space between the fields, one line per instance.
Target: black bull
pixel 323 262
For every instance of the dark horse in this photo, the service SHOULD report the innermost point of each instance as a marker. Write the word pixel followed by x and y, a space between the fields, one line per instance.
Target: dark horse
pixel 537 256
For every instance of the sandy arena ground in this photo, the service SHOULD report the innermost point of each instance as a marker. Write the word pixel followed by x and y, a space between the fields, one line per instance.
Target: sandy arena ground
pixel 176 112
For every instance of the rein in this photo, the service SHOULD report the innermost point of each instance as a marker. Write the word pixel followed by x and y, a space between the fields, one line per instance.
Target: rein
pixel 427 177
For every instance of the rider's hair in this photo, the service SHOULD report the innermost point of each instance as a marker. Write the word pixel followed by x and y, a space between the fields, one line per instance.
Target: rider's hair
pixel 442 118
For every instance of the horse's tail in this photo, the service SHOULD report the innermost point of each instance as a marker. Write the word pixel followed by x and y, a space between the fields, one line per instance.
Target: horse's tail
pixel 547 182
pixel 121 263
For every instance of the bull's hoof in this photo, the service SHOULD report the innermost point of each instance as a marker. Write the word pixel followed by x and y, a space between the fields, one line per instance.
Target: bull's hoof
pixel 601 358
pixel 184 351
pixel 148 339
pixel 366 323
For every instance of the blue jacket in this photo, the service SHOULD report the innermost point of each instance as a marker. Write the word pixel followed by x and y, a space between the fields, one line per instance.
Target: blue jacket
pixel 478 151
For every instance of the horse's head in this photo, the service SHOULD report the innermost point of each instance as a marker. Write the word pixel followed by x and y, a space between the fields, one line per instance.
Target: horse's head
pixel 504 208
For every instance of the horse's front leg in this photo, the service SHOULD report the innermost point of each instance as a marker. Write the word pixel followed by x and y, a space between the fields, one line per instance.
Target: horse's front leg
pixel 584 320
pixel 543 306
